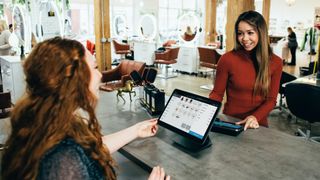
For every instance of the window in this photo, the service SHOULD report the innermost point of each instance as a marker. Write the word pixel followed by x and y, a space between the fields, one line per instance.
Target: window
pixel 82 17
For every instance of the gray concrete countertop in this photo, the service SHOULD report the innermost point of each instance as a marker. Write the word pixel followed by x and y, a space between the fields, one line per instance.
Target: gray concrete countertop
pixel 262 153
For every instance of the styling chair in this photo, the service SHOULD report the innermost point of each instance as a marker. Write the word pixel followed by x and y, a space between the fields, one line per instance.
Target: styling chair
pixel 169 43
pixel 5 109
pixel 168 57
pixel 5 104
pixel 208 58
pixel 303 101
pixel 116 78
pixel 285 78
pixel 121 49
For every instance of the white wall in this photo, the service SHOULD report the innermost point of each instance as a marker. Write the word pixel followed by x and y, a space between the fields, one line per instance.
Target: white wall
pixel 149 7
pixel 297 15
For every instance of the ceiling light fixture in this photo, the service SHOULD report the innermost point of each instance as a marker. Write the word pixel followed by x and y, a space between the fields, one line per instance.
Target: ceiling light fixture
pixel 290 2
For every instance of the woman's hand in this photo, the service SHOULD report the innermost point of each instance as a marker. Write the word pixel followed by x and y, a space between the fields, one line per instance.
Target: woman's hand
pixel 142 129
pixel 147 128
pixel 158 174
pixel 250 122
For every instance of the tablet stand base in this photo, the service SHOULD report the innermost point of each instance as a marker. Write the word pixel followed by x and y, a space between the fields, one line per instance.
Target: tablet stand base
pixel 190 144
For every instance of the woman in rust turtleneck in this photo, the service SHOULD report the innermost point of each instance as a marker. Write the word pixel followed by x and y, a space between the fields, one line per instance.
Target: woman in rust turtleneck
pixel 250 73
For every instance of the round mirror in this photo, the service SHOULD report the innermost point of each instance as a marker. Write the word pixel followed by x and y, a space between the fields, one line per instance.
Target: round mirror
pixel 50 21
pixel 188 27
pixel 21 29
pixel 120 26
pixel 148 28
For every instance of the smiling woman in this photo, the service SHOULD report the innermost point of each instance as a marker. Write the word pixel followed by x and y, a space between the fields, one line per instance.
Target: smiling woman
pixel 247 36
pixel 250 73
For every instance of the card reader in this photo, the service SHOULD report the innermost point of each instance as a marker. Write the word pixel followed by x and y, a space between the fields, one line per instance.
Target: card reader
pixel 228 128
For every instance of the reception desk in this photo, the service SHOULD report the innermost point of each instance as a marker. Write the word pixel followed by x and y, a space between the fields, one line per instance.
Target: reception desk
pixel 262 153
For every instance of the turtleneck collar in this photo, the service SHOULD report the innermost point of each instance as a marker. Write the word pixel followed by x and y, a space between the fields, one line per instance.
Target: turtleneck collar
pixel 247 54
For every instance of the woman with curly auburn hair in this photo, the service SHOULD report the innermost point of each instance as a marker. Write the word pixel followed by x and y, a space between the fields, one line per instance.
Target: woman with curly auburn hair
pixel 55 133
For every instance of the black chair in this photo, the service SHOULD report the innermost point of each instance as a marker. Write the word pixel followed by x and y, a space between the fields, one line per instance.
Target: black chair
pixel 285 78
pixel 148 77
pixel 303 101
pixel 5 104
pixel 5 108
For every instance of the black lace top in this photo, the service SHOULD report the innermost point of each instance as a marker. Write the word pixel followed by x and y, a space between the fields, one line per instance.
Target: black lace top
pixel 68 160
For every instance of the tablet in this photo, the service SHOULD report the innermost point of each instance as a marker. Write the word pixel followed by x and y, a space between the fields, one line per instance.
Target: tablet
pixel 189 115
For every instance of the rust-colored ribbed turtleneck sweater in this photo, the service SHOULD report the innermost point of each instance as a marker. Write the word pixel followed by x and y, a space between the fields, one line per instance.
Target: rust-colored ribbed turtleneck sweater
pixel 236 75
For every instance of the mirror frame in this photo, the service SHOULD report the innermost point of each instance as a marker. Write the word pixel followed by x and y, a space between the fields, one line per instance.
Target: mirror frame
pixel 26 26
pixel 197 24
pixel 154 24
pixel 56 10
pixel 115 26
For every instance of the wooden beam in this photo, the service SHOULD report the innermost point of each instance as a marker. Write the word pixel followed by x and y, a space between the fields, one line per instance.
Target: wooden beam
pixel 210 21
pixel 234 9
pixel 102 33
pixel 266 10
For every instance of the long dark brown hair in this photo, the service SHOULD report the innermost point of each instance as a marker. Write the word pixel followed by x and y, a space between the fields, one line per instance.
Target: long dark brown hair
pixel 262 52
pixel 57 79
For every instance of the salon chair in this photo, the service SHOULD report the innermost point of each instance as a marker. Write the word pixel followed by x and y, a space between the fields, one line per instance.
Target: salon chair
pixel 5 109
pixel 303 101
pixel 5 104
pixel 121 49
pixel 91 47
pixel 168 57
pixel 169 43
pixel 208 58
pixel 285 78
pixel 116 78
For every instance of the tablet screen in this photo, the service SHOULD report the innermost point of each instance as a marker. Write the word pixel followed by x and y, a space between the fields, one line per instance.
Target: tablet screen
pixel 189 113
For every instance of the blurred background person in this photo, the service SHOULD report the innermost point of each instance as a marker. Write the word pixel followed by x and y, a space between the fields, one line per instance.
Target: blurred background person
pixel 4 38
pixel 11 28
pixel 292 44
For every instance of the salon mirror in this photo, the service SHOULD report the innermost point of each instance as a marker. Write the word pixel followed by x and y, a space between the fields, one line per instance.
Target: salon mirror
pixel 18 27
pixel 148 28
pixel 120 27
pixel 21 30
pixel 188 27
pixel 50 21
